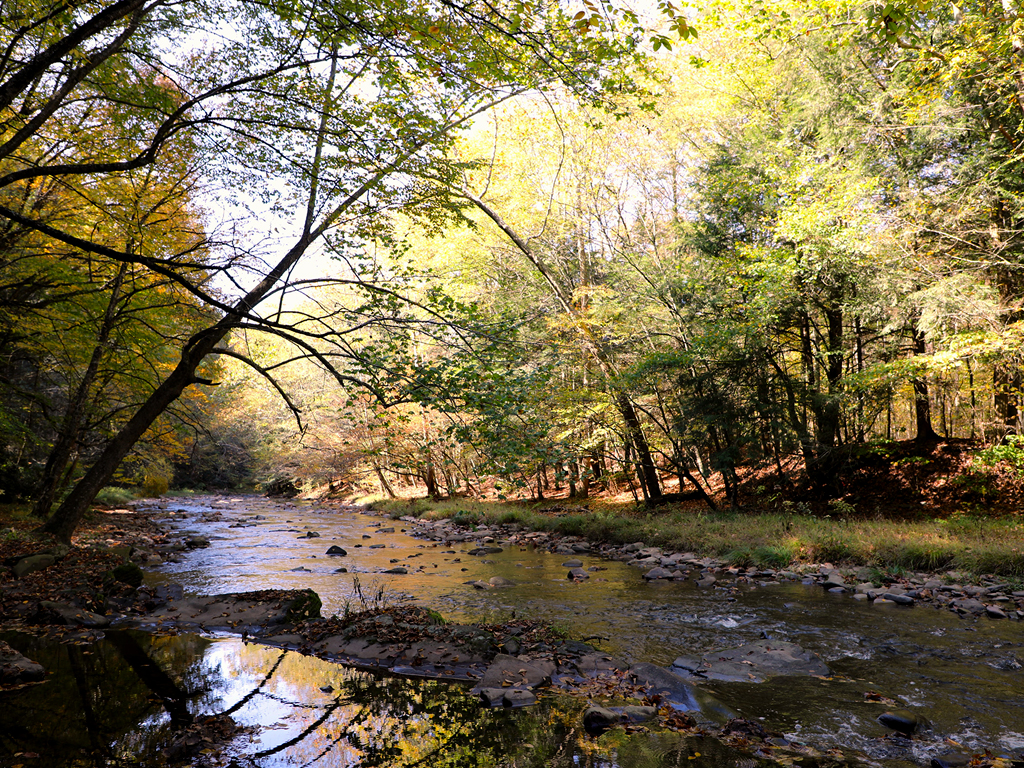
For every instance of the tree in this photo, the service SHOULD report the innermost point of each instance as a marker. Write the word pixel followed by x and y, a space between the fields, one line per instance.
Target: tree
pixel 350 111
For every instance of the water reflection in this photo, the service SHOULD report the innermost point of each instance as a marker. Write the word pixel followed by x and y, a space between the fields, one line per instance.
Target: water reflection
pixel 147 700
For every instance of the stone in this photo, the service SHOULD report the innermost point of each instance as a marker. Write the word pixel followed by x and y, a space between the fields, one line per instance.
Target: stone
pixel 197 542
pixel 509 671
pixel 518 697
pixel 578 574
pixel 755 662
pixel 899 599
pixel 660 680
pixel 31 564
pixel 904 721
pixel 398 570
pixel 572 564
pixel 955 760
pixel 128 573
pixel 637 714
pixel 598 719
pixel 594 664
pixel 658 573
pixel 994 613
pixel 707 581
pixel 66 614
pixel 15 669
pixel 486 551
pixel 492 697
pixel 386 530
pixel 500 581
pixel 833 580
pixel 336 551
pixel 310 535
pixel 969 605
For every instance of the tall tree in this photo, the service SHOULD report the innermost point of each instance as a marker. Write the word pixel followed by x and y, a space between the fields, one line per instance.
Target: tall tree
pixel 351 111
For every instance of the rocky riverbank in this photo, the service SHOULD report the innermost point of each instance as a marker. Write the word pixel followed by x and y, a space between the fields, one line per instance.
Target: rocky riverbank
pixel 990 597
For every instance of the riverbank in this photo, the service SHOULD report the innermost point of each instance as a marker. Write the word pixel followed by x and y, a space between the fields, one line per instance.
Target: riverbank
pixel 969 546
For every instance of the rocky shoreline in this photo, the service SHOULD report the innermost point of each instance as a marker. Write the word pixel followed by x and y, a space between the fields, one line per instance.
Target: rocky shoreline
pixel 991 597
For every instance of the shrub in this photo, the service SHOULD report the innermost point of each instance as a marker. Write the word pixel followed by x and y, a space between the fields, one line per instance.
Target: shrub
pixel 112 496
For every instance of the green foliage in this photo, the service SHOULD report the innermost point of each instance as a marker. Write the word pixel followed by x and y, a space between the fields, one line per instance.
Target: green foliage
pixel 128 573
pixel 114 496
pixel 466 518
pixel 1008 454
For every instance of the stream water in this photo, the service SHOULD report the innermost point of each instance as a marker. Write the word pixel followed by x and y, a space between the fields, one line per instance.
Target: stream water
pixel 964 675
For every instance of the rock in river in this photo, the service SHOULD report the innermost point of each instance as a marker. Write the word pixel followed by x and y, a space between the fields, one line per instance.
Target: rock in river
pixel 337 551
pixel 753 663
pixel 904 721
pixel 15 669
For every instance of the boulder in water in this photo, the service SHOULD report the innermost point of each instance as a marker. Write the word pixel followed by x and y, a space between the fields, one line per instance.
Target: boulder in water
pixel 752 663
pixel 904 722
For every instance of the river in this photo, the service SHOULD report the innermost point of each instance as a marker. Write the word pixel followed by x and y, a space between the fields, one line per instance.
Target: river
pixel 964 675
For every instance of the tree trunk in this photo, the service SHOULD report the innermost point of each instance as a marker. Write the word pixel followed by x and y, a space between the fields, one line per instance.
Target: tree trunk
pixel 64 521
pixel 922 399
pixel 60 454
pixel 385 486
pixel 647 472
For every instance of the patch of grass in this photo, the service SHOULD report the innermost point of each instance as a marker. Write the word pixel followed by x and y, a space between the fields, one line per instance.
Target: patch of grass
pixel 113 496
pixel 773 556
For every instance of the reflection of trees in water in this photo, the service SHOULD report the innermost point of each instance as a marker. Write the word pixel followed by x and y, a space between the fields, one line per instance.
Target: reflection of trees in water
pixel 126 698
pixel 95 706
pixel 383 722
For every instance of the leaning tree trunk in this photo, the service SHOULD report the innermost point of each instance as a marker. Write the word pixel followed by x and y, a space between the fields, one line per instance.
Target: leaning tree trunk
pixel 647 472
pixel 71 424
pixel 64 521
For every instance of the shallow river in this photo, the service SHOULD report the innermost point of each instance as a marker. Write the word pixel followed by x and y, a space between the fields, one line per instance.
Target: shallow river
pixel 963 675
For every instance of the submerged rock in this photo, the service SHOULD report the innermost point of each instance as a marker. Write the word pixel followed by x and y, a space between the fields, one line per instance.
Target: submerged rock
pixel 509 671
pixel 752 663
pixel 57 613
pixel 904 721
pixel 678 691
pixel 15 669
pixel 598 719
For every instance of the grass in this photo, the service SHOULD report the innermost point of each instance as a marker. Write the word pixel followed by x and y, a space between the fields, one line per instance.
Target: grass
pixel 112 496
pixel 970 544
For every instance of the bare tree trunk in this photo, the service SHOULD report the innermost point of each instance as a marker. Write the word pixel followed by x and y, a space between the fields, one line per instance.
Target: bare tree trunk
pixel 385 486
